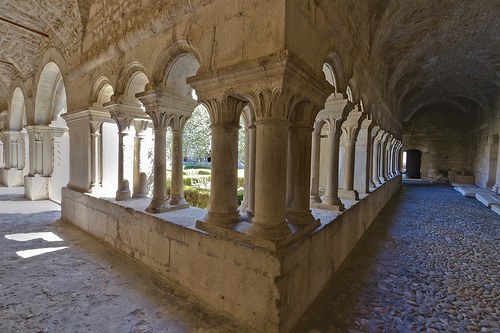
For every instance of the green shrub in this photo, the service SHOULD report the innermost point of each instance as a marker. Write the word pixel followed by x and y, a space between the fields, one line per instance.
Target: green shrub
pixel 241 182
pixel 204 172
pixel 240 196
pixel 194 166
pixel 197 197
pixel 199 181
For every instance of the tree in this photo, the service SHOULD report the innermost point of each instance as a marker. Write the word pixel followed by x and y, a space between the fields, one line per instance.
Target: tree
pixel 197 141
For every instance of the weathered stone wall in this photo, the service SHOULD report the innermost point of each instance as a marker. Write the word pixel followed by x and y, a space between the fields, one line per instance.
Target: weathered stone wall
pixel 443 136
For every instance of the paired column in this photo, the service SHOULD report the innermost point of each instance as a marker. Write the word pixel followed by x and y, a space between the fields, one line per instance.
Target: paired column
pixel 248 202
pixel 374 165
pixel 350 130
pixel 166 109
pixel 95 155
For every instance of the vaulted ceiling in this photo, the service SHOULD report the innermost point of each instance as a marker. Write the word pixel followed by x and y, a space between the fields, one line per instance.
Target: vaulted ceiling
pixel 435 52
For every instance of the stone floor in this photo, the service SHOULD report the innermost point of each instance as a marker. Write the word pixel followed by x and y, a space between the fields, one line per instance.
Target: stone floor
pixel 429 263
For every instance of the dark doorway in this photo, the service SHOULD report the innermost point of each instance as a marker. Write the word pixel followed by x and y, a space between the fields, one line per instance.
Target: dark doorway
pixel 413 161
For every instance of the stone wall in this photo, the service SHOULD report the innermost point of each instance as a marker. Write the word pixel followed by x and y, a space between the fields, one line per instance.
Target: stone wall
pixel 443 136
pixel 266 289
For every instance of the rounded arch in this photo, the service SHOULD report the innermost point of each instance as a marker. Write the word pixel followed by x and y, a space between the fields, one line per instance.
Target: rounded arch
pixel 183 66
pixel 332 60
pixel 17 110
pixel 50 98
pixel 170 55
pixel 365 104
pixel 101 92
pixel 133 78
pixel 352 91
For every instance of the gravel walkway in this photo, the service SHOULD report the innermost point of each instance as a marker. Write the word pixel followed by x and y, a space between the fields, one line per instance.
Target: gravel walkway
pixel 429 263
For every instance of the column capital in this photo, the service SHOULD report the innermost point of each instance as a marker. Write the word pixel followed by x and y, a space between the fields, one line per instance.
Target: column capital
pixel 90 114
pixel 273 85
pixel 140 126
pixel 225 110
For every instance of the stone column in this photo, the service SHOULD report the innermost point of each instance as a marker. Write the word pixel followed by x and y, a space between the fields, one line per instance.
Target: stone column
pixel 363 152
pixel 177 191
pixel 251 172
pixel 350 129
pixel 95 154
pixel 299 176
pixel 123 123
pixel 315 159
pixel 159 202
pixel 383 158
pixel 270 179
pixel 224 115
pixel 140 157
pixel 2 161
pixel 6 149
pixel 374 165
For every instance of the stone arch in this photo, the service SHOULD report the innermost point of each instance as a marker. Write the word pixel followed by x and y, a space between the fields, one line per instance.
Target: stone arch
pixel 182 66
pixel 50 98
pixel 170 55
pixel 365 104
pixel 17 110
pixel 132 79
pixel 352 91
pixel 334 63
pixel 101 92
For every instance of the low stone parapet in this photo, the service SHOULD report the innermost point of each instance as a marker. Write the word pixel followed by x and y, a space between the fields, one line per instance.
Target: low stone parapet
pixel 267 289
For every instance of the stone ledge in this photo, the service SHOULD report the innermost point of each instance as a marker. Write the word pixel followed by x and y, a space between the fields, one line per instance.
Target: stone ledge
pixel 266 289
pixel 488 199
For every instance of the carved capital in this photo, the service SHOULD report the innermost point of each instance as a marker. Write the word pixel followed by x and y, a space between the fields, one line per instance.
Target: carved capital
pixel 140 126
pixel 225 110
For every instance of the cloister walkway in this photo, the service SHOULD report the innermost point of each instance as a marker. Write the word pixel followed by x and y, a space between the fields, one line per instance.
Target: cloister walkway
pixel 430 262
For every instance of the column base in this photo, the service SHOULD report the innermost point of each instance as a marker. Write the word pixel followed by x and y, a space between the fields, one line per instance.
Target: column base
pixel 302 219
pixel 11 177
pixel 225 219
pixel 139 195
pixel 495 188
pixel 122 195
pixel 36 187
pixel 272 232
pixel 348 194
pixel 161 205
pixel 178 200
pixel 315 200
pixel 333 204
pixel 382 180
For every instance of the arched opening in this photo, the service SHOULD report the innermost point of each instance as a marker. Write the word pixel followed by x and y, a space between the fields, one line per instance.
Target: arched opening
pixel 412 160
pixel 49 138
pixel 324 160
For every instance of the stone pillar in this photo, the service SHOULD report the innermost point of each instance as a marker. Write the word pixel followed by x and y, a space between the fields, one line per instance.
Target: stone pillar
pixel 246 171
pixel 123 123
pixel 383 158
pixel 85 155
pixel 350 129
pixel 95 154
pixel 6 149
pixel 2 161
pixel 315 160
pixel 374 165
pixel 299 176
pixel 140 158
pixel 177 191
pixel 363 162
pixel 270 179
pixel 251 171
pixel 224 115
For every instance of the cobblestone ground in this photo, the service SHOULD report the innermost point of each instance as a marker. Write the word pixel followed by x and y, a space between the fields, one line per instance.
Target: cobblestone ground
pixel 429 263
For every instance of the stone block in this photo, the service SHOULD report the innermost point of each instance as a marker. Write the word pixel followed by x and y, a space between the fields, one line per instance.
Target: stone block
pixel 488 199
pixel 496 208
pixel 36 187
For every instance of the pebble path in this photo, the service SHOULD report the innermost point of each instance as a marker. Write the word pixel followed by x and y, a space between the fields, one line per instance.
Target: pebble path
pixel 429 263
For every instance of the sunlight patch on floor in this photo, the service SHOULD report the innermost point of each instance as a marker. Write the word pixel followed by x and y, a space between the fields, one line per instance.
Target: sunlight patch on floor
pixel 36 252
pixel 46 236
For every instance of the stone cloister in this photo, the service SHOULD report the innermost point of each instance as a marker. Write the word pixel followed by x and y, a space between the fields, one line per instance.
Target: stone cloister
pixel 331 94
